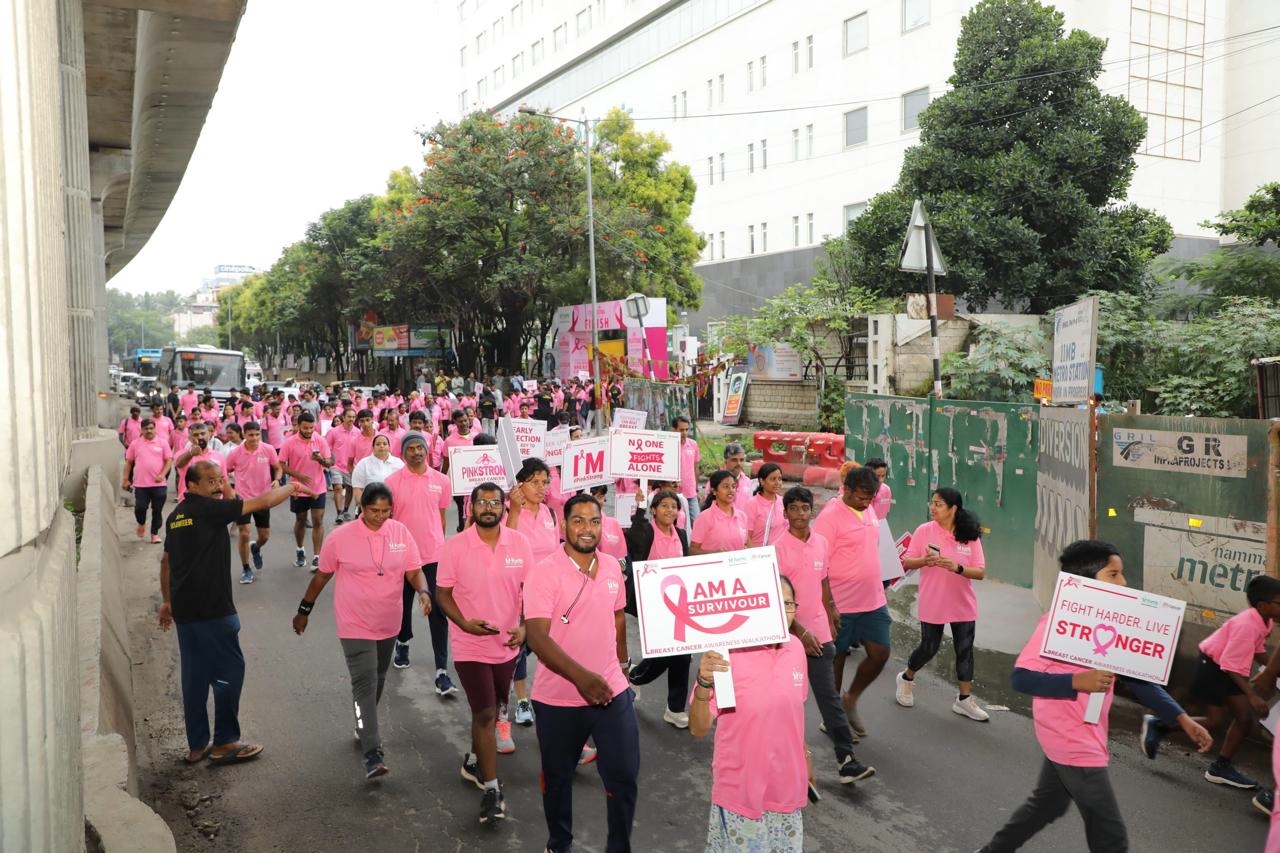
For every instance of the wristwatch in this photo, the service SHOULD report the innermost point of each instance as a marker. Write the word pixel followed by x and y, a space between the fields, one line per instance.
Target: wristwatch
pixel 959 569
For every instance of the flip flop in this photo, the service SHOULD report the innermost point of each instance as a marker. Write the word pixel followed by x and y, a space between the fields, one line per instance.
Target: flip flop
pixel 199 757
pixel 244 752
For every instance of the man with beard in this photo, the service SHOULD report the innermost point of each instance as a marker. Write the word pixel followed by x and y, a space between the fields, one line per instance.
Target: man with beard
pixel 478 589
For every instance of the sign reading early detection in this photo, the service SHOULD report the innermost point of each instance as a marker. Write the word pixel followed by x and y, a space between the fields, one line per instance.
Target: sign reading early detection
pixel 1075 344
pixel 711 601
pixel 644 454
pixel 470 466
pixel 629 418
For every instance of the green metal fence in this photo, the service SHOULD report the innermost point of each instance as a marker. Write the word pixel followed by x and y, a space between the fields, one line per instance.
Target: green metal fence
pixel 986 450
pixel 662 400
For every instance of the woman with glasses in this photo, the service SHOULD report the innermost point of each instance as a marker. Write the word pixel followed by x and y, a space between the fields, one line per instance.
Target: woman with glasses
pixel 759 772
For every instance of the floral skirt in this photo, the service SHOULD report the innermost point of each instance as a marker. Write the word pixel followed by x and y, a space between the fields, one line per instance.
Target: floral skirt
pixel 774 832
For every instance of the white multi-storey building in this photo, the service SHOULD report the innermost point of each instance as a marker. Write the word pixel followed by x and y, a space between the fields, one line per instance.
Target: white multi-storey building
pixel 791 114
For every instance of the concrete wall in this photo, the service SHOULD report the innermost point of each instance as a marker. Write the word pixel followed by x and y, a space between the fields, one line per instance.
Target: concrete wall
pixel 787 404
pixel 741 285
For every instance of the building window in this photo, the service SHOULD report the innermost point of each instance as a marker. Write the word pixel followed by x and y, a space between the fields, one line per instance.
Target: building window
pixel 517 65
pixel 517 14
pixel 498 76
pixel 684 104
pixel 808 218
pixel 915 13
pixel 722 245
pixel 855 34
pixel 462 56
pixel 600 9
pixel 853 211
pixel 855 127
pixel 535 51
pixel 584 22
pixel 795 143
pixel 481 39
pixel 808 46
pixel 462 101
pixel 560 37
pixel 751 76
pixel 808 140
pixel 764 72
pixel 795 57
pixel 675 107
pixel 764 154
pixel 795 231
pixel 764 236
pixel 913 103
pixel 711 171
pixel 482 89
pixel 751 239
pixel 497 31
pixel 721 83
pixel 711 94
pixel 751 158
pixel 722 166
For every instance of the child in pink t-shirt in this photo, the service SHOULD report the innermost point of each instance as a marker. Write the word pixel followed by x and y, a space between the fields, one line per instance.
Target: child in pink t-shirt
pixel 1076 756
pixel 1222 678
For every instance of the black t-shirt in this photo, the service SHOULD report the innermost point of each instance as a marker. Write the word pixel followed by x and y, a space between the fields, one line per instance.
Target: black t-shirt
pixel 487 407
pixel 200 558
pixel 175 405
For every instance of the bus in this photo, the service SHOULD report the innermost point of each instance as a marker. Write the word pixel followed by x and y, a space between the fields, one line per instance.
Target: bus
pixel 144 362
pixel 220 370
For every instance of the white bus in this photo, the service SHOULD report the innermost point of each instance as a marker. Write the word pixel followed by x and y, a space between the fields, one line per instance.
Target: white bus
pixel 220 370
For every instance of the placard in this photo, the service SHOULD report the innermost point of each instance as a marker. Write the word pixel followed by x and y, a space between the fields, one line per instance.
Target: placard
pixel 585 463
pixel 531 386
pixel 890 562
pixel 629 419
pixel 624 506
pixel 644 454
pixel 1104 626
pixel 553 445
pixel 470 466
pixel 583 375
pixel 712 601
pixel 529 434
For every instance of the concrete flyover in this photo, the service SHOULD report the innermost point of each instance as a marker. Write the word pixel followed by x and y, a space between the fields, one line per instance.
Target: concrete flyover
pixel 101 106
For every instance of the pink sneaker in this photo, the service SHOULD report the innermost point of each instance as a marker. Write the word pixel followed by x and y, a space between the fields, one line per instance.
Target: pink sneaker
pixel 506 745
pixel 141 531
pixel 588 755
pixel 155 539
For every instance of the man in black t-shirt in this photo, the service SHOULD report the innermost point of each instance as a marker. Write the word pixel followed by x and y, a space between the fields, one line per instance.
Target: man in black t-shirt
pixel 195 583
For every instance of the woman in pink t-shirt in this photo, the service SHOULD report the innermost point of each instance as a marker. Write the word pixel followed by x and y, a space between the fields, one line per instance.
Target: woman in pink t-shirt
pixel 948 553
pixel 372 558
pixel 765 520
pixel 721 526
pixel 759 769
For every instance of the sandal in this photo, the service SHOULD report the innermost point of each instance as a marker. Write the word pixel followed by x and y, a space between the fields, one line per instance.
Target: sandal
pixel 243 752
pixel 196 757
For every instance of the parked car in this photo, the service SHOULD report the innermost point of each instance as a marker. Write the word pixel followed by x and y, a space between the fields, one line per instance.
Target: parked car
pixel 125 386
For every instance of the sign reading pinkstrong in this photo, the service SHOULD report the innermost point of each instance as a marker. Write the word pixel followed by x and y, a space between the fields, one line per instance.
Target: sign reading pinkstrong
pixel 471 466
pixel 711 601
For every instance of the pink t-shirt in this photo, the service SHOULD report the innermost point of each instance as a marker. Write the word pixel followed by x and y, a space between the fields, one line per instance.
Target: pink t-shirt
pixel 665 545
pixel 765 515
pixel 148 458
pixel 189 402
pixel 253 469
pixel 131 429
pixel 209 455
pixel 369 568
pixel 164 427
pixel 1233 646
pixel 340 439
pixel 273 429
pixel 420 500
pixel 589 637
pixel 689 456
pixel 178 440
pixel 758 764
pixel 541 530
pixel 714 530
pixel 853 566
pixel 556 497
pixel 1060 727
pixel 486 585
pixel 805 565
pixel 296 455
pixel 883 501
pixel 612 540
pixel 395 435
pixel 944 595
pixel 358 447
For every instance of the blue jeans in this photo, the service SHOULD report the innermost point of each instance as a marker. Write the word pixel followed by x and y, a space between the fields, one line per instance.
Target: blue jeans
pixel 562 732
pixel 211 659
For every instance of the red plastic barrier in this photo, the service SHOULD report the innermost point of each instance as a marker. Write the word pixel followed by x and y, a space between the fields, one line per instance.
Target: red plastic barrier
pixel 823 449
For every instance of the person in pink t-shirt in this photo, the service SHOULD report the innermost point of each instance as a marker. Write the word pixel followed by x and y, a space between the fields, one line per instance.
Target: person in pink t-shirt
pixel 759 772
pixel 146 469
pixel 947 551
pixel 574 604
pixel 305 457
pixel 371 559
pixel 478 587
pixel 529 514
pixel 164 426
pixel 884 497
pixel 130 429
pixel 197 450
pixel 459 436
pixel 1076 755
pixel 722 525
pixel 690 455
pixel 765 522
pixel 340 438
pixel 1222 680
pixel 257 471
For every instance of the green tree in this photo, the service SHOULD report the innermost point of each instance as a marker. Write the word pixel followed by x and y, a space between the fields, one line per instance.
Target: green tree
pixel 1250 267
pixel 133 322
pixel 202 335
pixel 1001 366
pixel 1019 165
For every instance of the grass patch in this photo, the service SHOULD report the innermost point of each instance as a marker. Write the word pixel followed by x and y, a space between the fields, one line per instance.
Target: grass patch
pixel 712 449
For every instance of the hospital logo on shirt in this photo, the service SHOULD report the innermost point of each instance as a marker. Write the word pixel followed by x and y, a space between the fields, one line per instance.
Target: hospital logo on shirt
pixel 797 678
pixel 514 562
pixel 613 586
pixel 964 550
pixel 817 565
pixel 397 546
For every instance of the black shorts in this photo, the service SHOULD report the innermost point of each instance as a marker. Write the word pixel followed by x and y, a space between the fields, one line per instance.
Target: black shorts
pixel 1211 684
pixel 304 503
pixel 261 519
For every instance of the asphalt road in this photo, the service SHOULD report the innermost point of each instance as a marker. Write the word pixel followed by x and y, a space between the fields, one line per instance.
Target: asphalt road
pixel 943 781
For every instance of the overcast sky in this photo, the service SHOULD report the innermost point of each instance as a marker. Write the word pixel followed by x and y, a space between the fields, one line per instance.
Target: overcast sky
pixel 319 101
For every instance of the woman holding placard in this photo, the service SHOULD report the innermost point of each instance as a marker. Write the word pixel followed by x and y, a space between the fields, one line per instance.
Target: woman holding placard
pixel 948 553
pixel 765 520
pixel 759 772
pixel 660 539
pixel 720 526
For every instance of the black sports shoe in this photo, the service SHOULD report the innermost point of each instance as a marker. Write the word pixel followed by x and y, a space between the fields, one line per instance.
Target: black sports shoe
pixel 471 770
pixel 256 553
pixel 1264 801
pixel 492 805
pixel 851 770
pixel 401 659
pixel 373 766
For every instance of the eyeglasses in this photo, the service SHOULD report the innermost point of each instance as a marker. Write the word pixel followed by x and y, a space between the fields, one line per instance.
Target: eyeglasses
pixel 493 502
pixel 789 605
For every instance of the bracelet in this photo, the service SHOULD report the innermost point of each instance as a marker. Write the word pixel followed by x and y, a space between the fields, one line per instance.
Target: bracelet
pixel 305 608
pixel 706 685
pixel 706 697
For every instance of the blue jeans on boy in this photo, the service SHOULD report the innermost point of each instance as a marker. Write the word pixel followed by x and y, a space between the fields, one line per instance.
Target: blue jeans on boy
pixel 211 659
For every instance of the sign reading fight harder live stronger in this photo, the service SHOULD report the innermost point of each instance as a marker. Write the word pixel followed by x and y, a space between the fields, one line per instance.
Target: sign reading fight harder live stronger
pixel 711 601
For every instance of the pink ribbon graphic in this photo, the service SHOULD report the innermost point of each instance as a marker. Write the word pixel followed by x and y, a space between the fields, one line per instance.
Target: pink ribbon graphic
pixel 680 609
pixel 1099 647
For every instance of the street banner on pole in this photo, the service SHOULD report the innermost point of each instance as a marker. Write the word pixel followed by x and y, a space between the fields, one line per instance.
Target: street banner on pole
pixel 644 454
pixel 470 466
pixel 1075 346
pixel 585 464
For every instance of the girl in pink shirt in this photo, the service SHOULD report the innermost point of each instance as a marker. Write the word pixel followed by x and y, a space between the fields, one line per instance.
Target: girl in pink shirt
pixel 948 553
pixel 759 773
pixel 720 526
pixel 765 521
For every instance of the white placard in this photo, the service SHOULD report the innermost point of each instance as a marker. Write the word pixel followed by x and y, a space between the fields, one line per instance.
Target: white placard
pixel 583 375
pixel 1075 344
pixel 1103 626
pixel 470 466
pixel 531 386
pixel 585 463
pixel 624 506
pixel 508 450
pixel 890 562
pixel 644 454
pixel 629 419
pixel 711 601
pixel 553 445
pixel 530 435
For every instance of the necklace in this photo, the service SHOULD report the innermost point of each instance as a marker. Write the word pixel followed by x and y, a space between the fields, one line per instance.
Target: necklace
pixel 373 558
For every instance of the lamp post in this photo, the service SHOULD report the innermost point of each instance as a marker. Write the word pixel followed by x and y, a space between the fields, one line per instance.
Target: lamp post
pixel 637 305
pixel 591 257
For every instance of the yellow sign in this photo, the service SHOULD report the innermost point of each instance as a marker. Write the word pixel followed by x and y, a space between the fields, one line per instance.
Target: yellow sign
pixel 1043 389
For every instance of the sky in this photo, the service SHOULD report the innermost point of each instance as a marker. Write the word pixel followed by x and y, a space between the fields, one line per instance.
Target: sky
pixel 318 103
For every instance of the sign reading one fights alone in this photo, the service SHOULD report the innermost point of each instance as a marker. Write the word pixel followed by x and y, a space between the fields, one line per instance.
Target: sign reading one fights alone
pixel 644 454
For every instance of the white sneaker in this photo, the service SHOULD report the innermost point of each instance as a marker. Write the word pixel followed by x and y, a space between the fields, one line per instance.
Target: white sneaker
pixel 679 719
pixel 904 691
pixel 968 707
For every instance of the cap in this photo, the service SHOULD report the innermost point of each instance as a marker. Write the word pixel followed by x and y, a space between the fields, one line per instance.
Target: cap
pixel 411 437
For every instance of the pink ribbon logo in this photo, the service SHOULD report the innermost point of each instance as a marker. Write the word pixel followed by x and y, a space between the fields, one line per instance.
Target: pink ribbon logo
pixel 1100 647
pixel 680 609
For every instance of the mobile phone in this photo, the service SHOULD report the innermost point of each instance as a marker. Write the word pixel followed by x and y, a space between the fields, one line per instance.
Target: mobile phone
pixel 935 550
